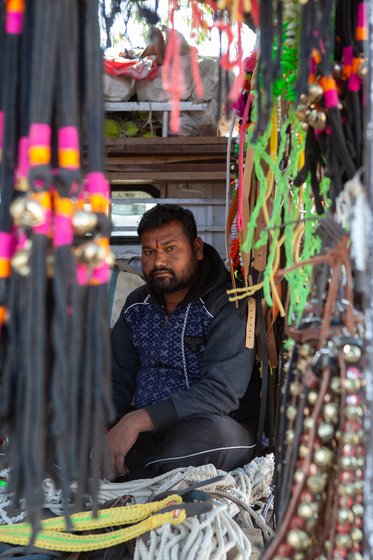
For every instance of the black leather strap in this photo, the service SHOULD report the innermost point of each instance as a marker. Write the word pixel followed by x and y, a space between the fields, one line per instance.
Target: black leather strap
pixel 265 377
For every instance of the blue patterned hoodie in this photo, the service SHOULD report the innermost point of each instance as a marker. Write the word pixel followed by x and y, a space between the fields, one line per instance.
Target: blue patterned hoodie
pixel 186 363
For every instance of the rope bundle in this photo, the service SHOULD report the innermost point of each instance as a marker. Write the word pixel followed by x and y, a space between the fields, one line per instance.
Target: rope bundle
pixel 54 252
pixel 216 534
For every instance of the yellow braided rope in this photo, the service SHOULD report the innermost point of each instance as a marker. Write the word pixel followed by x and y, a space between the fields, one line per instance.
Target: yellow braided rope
pixel 53 536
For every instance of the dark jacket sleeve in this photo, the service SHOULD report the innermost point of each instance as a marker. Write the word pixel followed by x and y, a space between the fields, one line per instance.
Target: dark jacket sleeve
pixel 226 370
pixel 125 363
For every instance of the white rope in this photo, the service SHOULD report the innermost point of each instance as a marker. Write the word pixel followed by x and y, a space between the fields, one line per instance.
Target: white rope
pixel 6 504
pixel 212 536
pixel 215 535
pixel 178 478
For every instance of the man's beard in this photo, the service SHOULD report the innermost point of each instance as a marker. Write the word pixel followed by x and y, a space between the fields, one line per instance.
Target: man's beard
pixel 173 283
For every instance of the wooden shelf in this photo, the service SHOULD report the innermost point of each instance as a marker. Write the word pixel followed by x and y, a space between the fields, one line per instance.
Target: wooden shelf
pixel 170 159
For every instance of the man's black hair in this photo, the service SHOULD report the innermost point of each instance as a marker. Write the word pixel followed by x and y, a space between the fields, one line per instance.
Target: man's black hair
pixel 162 214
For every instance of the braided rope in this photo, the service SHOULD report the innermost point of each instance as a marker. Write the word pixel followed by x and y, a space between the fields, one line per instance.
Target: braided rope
pixel 211 537
pixel 215 535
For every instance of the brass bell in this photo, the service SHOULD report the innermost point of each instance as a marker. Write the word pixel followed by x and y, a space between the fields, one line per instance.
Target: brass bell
pixel 295 389
pixel 358 510
pixel 325 431
pixel 312 397
pixel 17 208
pixel 27 212
pixel 336 384
pixel 323 457
pixel 299 540
pixel 317 119
pixel 353 412
pixel 315 93
pixel 349 438
pixel 346 489
pixel 21 262
pixel 291 413
pixel 308 423
pixel 302 111
pixel 84 222
pixel 290 436
pixel 345 516
pixel 362 70
pixel 33 215
pixel 351 385
pixel 90 254
pixel 331 412
pixel 110 259
pixel 298 476
pixel 355 556
pixel 348 462
pixel 360 462
pixel 306 511
pixel 351 353
pixel 303 451
pixel 316 484
pixel 342 541
pixel 356 534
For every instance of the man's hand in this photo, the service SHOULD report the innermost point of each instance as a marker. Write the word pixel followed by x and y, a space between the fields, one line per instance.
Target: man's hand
pixel 124 435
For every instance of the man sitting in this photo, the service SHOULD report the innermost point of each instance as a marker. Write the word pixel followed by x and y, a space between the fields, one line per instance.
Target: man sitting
pixel 179 356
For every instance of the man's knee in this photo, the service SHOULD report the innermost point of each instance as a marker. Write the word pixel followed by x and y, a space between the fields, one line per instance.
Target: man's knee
pixel 213 438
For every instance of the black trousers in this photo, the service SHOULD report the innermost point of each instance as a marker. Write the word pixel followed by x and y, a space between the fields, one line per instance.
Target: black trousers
pixel 197 441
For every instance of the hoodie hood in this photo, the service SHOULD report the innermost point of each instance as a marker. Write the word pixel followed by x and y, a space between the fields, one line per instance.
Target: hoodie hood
pixel 212 274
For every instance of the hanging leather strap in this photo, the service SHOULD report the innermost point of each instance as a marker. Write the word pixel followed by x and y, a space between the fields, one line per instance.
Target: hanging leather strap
pixel 265 377
pixel 248 183
pixel 228 226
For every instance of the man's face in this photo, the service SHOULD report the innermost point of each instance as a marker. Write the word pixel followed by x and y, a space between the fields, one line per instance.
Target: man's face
pixel 169 260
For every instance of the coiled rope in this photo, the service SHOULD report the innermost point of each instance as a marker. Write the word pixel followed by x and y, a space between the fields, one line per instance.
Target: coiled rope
pixel 211 535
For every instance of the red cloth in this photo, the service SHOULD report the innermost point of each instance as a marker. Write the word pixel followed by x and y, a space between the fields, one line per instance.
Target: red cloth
pixel 139 68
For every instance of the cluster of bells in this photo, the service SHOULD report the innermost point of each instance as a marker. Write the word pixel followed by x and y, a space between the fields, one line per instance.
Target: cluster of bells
pixel 27 212
pixel 335 474
pixel 310 111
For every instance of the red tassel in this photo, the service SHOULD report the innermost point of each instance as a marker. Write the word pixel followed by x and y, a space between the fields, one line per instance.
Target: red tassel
pixel 240 80
pixel 171 72
pixel 255 12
